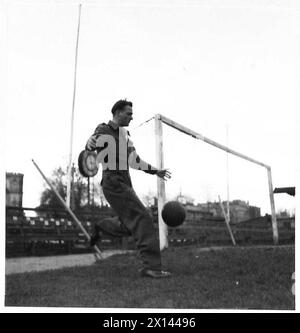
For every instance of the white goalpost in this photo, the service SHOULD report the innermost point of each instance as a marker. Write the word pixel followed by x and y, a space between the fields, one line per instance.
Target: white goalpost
pixel 161 192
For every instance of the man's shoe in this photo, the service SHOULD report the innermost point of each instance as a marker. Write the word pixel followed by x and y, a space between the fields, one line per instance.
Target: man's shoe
pixel 95 236
pixel 94 239
pixel 154 273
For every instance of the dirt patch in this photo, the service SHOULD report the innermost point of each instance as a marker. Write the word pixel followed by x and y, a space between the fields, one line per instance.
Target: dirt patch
pixel 35 264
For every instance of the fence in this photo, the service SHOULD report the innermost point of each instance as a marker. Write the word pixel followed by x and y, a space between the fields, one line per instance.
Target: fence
pixel 210 232
pixel 26 236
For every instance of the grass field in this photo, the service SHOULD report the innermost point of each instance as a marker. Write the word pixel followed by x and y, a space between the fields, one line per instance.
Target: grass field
pixel 232 278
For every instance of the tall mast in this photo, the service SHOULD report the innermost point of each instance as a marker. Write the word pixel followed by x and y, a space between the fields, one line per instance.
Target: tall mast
pixel 69 179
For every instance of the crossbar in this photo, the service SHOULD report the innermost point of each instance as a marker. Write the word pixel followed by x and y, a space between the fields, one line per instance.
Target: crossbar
pixel 199 136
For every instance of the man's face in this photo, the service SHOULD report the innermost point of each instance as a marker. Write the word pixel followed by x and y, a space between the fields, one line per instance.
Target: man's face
pixel 125 116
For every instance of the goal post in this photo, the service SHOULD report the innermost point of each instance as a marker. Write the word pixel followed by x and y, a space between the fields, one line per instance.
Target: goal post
pixel 161 194
pixel 161 190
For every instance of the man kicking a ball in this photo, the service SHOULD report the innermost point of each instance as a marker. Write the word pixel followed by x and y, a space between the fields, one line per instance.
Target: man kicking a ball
pixel 116 153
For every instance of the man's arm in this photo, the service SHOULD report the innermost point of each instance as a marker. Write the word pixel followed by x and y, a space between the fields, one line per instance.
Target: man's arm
pixel 92 141
pixel 137 163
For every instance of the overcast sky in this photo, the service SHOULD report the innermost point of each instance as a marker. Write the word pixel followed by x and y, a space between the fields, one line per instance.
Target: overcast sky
pixel 209 65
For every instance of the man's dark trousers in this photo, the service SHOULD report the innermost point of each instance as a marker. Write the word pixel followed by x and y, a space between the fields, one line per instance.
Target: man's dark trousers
pixel 134 217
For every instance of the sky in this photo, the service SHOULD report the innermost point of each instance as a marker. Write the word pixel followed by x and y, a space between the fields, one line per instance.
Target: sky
pixel 226 69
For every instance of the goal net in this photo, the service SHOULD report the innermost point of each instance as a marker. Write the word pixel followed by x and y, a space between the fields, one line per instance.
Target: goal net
pixel 204 172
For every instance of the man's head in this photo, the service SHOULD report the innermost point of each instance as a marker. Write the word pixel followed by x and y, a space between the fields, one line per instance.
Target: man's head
pixel 122 112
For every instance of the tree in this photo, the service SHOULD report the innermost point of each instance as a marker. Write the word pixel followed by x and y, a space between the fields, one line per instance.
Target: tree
pixel 79 192
pixel 48 198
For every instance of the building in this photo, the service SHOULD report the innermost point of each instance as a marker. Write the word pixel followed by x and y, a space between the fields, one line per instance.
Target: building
pixel 212 211
pixel 14 189
pixel 196 214
pixel 239 210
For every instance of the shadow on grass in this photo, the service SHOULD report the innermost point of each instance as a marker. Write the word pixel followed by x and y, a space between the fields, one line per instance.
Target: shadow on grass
pixel 229 279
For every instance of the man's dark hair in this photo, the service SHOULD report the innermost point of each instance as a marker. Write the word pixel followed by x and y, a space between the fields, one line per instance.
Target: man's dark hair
pixel 120 105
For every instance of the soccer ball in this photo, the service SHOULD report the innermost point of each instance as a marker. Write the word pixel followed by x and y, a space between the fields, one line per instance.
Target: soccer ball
pixel 173 213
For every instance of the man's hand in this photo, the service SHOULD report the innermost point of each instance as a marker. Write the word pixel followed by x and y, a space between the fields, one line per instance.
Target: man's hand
pixel 165 174
pixel 91 143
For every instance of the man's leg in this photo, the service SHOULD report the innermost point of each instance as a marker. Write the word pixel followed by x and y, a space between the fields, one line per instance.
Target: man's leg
pixel 138 221
pixel 111 226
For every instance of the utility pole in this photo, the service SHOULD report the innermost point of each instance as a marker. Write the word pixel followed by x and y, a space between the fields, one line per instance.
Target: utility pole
pixel 88 191
pixel 72 116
